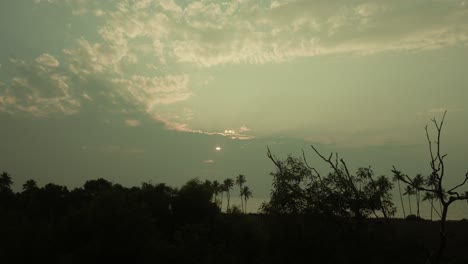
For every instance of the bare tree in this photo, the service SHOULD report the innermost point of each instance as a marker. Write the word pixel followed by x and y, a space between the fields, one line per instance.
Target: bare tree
pixel 446 197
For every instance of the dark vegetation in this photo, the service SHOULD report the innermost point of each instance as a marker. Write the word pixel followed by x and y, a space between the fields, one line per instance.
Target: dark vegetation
pixel 337 217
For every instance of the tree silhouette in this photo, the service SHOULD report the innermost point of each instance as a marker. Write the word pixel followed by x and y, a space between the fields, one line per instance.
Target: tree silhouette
pixel 290 194
pixel 5 181
pixel 97 187
pixel 446 197
pixel 215 189
pixel 299 188
pixel 428 196
pixel 361 191
pixel 240 180
pixel 401 195
pixel 30 185
pixel 228 185
pixel 247 194
pixel 409 191
pixel 418 183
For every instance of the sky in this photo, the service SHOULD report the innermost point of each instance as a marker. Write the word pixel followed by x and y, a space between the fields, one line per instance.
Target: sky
pixel 145 90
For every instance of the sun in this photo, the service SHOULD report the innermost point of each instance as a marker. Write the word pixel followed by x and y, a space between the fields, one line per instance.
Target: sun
pixel 218 148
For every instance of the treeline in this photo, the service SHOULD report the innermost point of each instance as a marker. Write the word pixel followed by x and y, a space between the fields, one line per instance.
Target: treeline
pixel 104 222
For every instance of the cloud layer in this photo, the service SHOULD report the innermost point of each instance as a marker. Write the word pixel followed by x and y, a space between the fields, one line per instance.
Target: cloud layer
pixel 142 48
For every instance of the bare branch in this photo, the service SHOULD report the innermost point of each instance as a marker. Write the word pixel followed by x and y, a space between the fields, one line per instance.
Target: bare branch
pixel 273 159
pixel 430 148
pixel 406 179
pixel 311 168
pixel 459 185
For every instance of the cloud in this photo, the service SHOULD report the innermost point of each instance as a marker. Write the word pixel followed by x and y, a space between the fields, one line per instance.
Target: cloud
pixel 177 123
pixel 132 122
pixel 439 110
pixel 141 50
pixel 151 92
pixel 38 90
pixel 47 60
pixel 209 33
pixel 114 149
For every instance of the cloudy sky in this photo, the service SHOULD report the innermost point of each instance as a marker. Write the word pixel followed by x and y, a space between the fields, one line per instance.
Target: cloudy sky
pixel 145 90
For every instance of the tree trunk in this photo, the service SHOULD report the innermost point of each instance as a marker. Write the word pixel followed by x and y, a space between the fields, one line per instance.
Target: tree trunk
pixel 409 202
pixel 443 234
pixel 401 199
pixel 245 206
pixel 228 209
pixel 222 197
pixel 432 207
pixel 417 204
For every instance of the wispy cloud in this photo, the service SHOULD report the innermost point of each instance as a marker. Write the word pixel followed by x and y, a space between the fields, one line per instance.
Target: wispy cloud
pixel 438 110
pixel 114 149
pixel 167 37
pixel 132 123
pixel 47 60
pixel 209 33
pixel 38 89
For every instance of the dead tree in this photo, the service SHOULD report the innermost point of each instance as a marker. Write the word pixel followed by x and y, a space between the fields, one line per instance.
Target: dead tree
pixel 446 197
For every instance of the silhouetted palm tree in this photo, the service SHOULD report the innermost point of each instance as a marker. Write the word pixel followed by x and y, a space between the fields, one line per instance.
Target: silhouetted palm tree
pixel 397 179
pixel 240 180
pixel 215 187
pixel 228 184
pixel 418 182
pixel 432 181
pixel 247 194
pixel 409 191
pixel 429 196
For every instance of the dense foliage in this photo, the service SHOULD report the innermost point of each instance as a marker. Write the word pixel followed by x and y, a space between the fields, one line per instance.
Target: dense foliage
pixel 299 189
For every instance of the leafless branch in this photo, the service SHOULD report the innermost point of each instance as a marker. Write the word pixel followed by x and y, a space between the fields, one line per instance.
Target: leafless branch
pixel 459 185
pixel 406 179
pixel 311 168
pixel 273 159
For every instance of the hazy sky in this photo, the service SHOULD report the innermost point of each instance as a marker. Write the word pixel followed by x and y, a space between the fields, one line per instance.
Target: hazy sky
pixel 145 90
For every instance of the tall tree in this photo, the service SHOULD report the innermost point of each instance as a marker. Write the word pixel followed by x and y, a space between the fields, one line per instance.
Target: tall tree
pixel 428 196
pixel 240 180
pixel 418 183
pixel 215 187
pixel 409 191
pixel 247 194
pixel 401 195
pixel 228 184
pixel 446 196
